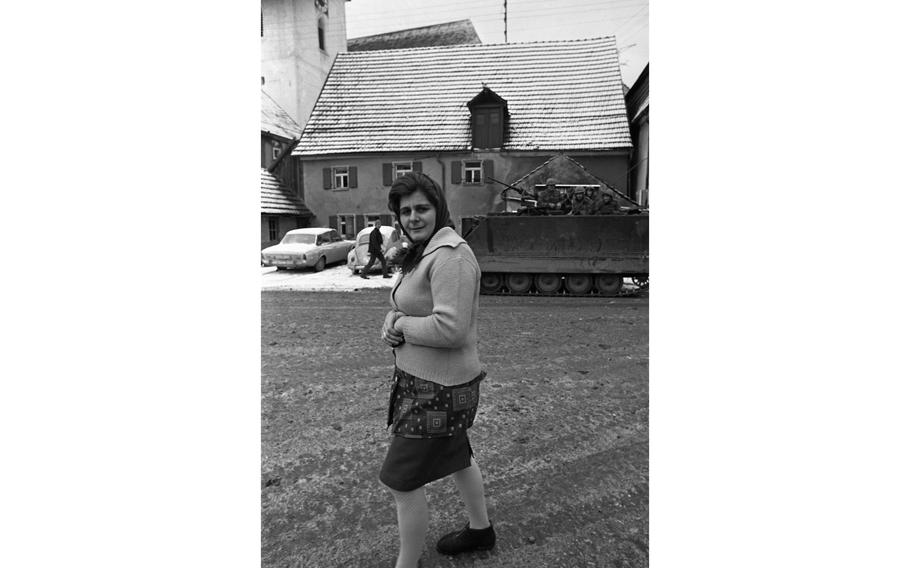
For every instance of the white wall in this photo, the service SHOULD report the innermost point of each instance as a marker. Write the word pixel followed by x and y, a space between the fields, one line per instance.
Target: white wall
pixel 293 65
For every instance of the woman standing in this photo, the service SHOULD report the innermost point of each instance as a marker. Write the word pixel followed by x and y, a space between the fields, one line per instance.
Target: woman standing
pixel 433 330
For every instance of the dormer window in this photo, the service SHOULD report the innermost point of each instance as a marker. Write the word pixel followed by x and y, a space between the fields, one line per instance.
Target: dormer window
pixel 489 117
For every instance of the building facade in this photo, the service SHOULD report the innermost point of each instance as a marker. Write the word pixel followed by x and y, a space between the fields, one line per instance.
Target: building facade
pixel 637 101
pixel 469 116
pixel 280 208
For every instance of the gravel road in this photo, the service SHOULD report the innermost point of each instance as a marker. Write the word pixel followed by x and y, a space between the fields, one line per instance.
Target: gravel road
pixel 561 434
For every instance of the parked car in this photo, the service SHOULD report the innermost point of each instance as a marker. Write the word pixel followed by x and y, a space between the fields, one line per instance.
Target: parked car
pixel 393 244
pixel 313 247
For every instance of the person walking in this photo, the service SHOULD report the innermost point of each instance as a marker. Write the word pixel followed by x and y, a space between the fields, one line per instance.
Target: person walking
pixel 375 250
pixel 432 329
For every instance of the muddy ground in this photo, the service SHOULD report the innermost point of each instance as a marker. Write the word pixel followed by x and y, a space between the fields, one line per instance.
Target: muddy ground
pixel 561 434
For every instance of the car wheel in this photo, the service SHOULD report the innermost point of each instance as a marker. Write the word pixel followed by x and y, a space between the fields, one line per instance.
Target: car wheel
pixel 320 264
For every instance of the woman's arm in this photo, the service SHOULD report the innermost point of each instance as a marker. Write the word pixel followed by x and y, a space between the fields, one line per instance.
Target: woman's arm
pixel 394 337
pixel 453 282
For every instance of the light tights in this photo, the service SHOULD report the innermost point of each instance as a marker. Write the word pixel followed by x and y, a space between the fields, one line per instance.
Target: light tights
pixel 469 482
pixel 413 517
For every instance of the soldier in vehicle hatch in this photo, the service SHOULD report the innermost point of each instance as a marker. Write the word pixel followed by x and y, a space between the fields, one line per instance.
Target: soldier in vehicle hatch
pixel 550 198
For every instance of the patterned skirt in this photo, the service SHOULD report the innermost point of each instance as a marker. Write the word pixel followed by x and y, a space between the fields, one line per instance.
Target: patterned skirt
pixel 429 422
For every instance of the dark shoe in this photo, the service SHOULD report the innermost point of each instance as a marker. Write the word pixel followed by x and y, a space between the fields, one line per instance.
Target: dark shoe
pixel 364 276
pixel 467 540
pixel 386 275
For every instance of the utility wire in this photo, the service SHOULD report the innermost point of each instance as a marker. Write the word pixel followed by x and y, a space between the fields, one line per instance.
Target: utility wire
pixel 514 11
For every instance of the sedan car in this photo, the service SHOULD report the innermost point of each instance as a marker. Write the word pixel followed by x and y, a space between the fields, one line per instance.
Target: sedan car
pixel 392 246
pixel 313 247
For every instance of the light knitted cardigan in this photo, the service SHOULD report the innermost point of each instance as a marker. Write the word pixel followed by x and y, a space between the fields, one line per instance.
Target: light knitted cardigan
pixel 440 298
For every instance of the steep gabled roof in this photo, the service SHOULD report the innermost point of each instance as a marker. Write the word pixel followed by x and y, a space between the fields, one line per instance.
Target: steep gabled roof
pixel 276 199
pixel 561 96
pixel 275 120
pixel 449 33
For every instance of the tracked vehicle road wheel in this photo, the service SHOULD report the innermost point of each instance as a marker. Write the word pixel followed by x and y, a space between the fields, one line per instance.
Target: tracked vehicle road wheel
pixel 518 283
pixel 579 283
pixel 490 282
pixel 548 283
pixel 608 284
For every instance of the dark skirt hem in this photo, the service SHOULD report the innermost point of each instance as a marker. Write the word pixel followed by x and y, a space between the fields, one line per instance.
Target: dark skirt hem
pixel 411 463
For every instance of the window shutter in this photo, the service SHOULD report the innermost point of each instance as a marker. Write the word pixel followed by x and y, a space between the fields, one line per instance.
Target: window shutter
pixel 358 223
pixel 333 221
pixel 387 219
pixel 456 171
pixel 487 170
pixel 352 177
pixel 386 174
pixel 326 178
pixel 417 166
pixel 495 128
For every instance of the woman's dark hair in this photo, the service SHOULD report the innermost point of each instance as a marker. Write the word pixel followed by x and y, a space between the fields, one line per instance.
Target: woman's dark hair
pixel 406 185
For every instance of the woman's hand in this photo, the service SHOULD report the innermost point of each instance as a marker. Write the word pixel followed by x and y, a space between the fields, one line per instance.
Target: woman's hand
pixel 394 337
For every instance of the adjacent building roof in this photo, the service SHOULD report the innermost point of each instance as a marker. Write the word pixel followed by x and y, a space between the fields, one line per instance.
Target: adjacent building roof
pixel 449 33
pixel 276 199
pixel 637 98
pixel 275 120
pixel 561 96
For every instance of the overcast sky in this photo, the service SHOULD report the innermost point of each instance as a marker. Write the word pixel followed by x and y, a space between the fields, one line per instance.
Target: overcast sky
pixel 528 20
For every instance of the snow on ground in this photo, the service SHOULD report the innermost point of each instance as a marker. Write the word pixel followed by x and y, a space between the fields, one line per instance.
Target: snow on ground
pixel 334 278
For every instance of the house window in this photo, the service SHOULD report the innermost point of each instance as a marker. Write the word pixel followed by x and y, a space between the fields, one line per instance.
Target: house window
pixel 473 172
pixel 340 175
pixel 321 31
pixel 276 150
pixel 273 228
pixel 489 114
pixel 402 168
pixel 343 225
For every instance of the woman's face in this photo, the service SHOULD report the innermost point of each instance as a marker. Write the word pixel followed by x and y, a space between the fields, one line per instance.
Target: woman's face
pixel 418 216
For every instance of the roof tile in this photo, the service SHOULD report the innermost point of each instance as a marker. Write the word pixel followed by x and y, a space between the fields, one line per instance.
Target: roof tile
pixel 276 199
pixel 275 120
pixel 449 33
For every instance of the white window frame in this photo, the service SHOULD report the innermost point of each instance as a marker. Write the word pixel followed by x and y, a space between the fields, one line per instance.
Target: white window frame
pixel 478 170
pixel 346 220
pixel 406 168
pixel 341 177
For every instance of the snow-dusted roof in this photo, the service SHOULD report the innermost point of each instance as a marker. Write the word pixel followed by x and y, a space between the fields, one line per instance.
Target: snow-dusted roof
pixel 275 120
pixel 561 96
pixel 276 199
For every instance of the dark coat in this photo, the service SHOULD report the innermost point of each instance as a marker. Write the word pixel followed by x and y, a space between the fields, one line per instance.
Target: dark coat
pixel 375 241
